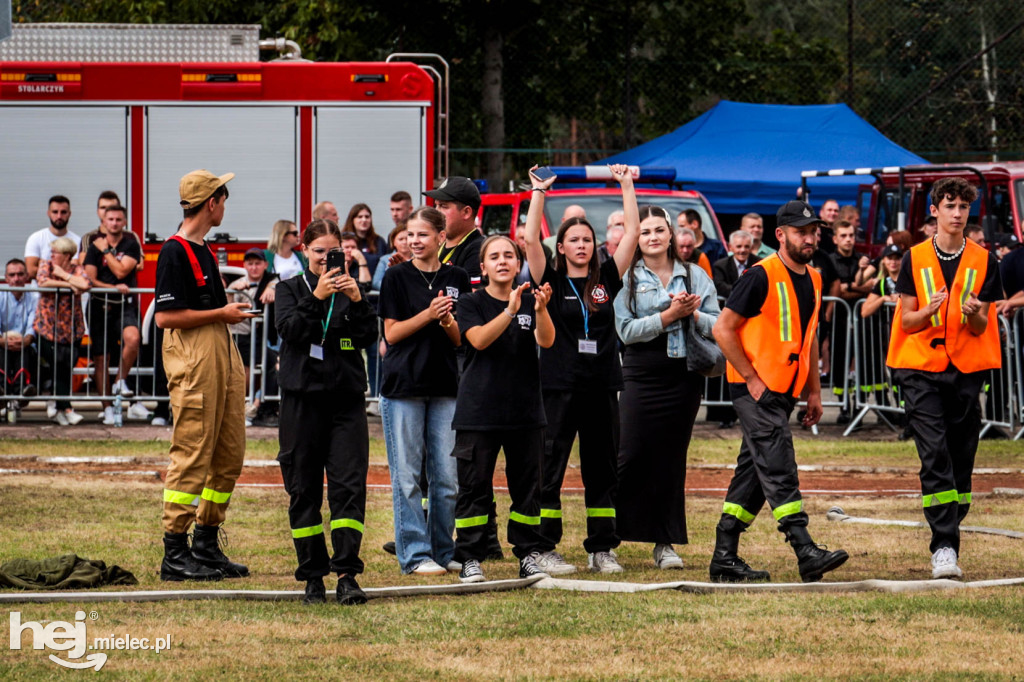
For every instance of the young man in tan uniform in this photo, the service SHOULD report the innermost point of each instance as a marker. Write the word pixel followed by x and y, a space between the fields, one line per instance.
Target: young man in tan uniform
pixel 206 383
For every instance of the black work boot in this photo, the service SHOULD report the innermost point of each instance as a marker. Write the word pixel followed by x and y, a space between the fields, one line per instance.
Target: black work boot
pixel 316 593
pixel 349 592
pixel 813 561
pixel 206 551
pixel 726 567
pixel 178 563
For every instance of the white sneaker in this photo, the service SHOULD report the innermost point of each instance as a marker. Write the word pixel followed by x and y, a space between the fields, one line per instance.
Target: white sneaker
pixel 430 567
pixel 603 562
pixel 944 564
pixel 108 416
pixel 138 411
pixel 373 408
pixel 250 410
pixel 51 409
pixel 454 566
pixel 121 387
pixel 665 558
pixel 73 417
pixel 158 421
pixel 553 563
pixel 60 417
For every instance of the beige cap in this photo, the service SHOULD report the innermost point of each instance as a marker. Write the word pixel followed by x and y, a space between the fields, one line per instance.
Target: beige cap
pixel 199 185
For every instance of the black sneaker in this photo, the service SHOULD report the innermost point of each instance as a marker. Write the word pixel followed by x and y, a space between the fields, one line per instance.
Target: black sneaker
pixel 349 591
pixel 471 572
pixel 528 567
pixel 390 548
pixel 316 593
pixel 814 561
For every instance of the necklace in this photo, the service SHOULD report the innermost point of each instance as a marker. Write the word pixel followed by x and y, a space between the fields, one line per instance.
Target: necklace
pixel 430 283
pixel 941 254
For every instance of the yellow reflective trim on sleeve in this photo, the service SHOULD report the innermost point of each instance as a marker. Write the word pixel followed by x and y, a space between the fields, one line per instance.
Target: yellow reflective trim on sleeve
pixel 785 314
pixel 788 509
pixel 965 498
pixel 211 495
pixel 935 499
pixel 738 511
pixel 347 523
pixel 523 519
pixel 471 521
pixel 929 291
pixel 551 513
pixel 601 512
pixel 970 279
pixel 177 497
pixel 307 532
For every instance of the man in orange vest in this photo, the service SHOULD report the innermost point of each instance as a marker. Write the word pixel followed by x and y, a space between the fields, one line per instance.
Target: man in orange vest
pixel 944 340
pixel 767 332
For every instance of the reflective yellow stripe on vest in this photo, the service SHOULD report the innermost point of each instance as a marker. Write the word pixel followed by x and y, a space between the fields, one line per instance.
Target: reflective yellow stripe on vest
pixel 929 289
pixel 551 513
pixel 970 279
pixel 347 523
pixel 785 314
pixel 945 497
pixel 471 521
pixel 737 511
pixel 523 519
pixel 307 532
pixel 177 497
pixel 788 509
pixel 601 512
pixel 211 495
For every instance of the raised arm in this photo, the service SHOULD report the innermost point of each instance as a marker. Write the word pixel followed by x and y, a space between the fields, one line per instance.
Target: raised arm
pixel 631 223
pixel 535 257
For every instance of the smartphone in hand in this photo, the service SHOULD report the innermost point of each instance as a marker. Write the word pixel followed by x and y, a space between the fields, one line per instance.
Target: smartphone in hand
pixel 336 259
pixel 543 173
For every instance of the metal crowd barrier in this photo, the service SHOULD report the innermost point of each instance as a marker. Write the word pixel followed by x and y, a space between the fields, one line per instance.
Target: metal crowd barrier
pixel 874 390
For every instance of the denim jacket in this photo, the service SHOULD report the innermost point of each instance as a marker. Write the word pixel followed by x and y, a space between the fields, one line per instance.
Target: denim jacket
pixel 652 298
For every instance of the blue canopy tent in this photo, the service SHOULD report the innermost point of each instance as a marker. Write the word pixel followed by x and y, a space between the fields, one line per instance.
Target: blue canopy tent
pixel 748 157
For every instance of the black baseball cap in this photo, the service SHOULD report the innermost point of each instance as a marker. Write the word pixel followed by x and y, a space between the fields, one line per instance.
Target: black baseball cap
pixel 255 252
pixel 456 188
pixel 892 250
pixel 797 213
pixel 1009 241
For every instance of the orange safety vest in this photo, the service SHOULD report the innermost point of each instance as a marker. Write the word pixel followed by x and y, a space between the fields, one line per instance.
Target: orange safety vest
pixel 772 341
pixel 704 262
pixel 948 328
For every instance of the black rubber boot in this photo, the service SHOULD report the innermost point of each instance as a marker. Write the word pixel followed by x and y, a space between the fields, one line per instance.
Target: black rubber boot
pixel 349 592
pixel 727 567
pixel 178 563
pixel 316 593
pixel 813 561
pixel 206 551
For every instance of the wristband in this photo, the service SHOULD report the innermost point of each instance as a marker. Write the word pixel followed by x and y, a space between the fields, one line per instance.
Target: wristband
pixel 510 315
pixel 538 189
pixel 451 321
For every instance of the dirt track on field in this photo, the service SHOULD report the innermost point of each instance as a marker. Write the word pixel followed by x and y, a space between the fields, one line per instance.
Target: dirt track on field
pixel 702 480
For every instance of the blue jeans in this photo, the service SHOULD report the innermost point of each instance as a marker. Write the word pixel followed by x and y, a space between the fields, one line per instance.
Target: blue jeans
pixel 418 432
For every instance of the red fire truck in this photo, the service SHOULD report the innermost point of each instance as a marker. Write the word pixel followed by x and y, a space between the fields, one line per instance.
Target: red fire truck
pixel 89 107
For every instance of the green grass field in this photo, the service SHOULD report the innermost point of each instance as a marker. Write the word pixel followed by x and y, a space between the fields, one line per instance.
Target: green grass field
pixel 975 634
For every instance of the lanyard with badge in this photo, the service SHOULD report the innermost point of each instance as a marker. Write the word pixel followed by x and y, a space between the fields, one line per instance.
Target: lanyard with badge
pixel 316 351
pixel 586 345
pixel 448 256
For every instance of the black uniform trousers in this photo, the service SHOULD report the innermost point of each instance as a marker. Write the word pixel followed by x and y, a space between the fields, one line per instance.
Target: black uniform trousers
pixel 944 411
pixel 766 466
pixel 594 415
pixel 477 454
pixel 325 432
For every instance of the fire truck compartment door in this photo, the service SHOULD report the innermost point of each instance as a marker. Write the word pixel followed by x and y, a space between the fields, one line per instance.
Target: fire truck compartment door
pixel 366 154
pixel 74 151
pixel 256 143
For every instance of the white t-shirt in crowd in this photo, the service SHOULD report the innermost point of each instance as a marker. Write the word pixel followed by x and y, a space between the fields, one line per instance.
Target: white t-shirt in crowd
pixel 287 267
pixel 38 243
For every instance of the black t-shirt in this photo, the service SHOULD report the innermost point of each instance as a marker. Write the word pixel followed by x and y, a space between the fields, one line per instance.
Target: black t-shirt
pixel 128 247
pixel 822 262
pixel 846 266
pixel 422 364
pixel 1011 270
pixel 751 291
pixel 991 289
pixel 500 385
pixel 563 367
pixel 176 285
pixel 466 255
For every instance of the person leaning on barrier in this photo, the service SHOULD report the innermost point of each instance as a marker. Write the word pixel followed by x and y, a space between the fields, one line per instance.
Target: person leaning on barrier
pixel 876 326
pixel 945 339
pixel 324 320
pixel 37 246
pixel 766 332
pixel 17 332
pixel 206 382
pixel 110 261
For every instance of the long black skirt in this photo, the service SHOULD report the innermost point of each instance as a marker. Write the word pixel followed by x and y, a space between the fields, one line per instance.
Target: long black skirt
pixel 658 406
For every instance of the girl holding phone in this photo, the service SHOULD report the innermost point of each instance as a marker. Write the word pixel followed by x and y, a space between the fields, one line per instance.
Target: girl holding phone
pixel 499 406
pixel 323 320
pixel 418 389
pixel 581 373
pixel 660 295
